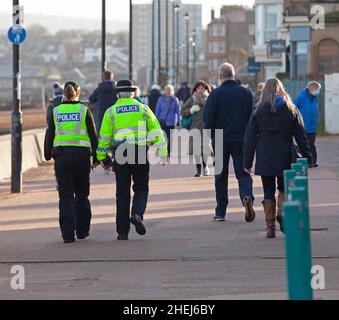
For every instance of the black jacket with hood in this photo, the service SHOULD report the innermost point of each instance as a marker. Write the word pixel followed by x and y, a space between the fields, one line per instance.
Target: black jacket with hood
pixel 105 96
pixel 269 135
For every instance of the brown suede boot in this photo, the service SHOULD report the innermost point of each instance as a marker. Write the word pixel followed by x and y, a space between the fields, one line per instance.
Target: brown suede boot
pixel 270 212
pixel 281 199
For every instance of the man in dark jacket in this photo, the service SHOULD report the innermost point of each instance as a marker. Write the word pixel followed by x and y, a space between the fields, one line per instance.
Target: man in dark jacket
pixel 58 95
pixel 184 93
pixel 153 97
pixel 105 96
pixel 229 108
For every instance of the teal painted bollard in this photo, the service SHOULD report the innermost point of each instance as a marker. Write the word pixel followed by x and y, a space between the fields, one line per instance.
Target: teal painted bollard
pixel 297 232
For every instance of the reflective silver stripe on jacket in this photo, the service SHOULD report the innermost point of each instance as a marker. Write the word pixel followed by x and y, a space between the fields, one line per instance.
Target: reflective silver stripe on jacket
pixel 108 139
pixel 80 143
pixel 131 130
pixel 111 115
pixel 160 144
pixel 77 130
pixel 145 114
pixel 154 134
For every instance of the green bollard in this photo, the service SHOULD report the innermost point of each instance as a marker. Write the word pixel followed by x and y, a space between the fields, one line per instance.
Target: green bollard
pixel 304 163
pixel 289 182
pixel 298 249
pixel 302 182
pixel 298 168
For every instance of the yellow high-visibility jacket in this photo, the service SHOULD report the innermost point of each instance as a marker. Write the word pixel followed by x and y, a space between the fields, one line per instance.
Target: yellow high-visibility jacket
pixel 132 122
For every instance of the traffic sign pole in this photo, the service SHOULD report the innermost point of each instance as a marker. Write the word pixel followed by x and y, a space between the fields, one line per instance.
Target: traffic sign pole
pixel 16 181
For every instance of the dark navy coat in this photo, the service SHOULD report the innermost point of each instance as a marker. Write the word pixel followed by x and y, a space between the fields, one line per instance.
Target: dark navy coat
pixel 229 107
pixel 269 135
pixel 105 95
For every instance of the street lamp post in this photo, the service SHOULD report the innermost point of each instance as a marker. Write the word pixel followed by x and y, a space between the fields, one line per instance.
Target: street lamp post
pixel 174 48
pixel 187 19
pixel 153 41
pixel 103 37
pixel 159 40
pixel 167 39
pixel 177 8
pixel 194 44
pixel 16 150
pixel 130 40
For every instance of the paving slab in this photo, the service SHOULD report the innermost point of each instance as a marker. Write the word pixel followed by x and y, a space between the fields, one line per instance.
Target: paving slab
pixel 184 255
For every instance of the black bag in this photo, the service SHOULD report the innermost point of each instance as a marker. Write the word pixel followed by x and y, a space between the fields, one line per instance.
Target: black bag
pixel 294 149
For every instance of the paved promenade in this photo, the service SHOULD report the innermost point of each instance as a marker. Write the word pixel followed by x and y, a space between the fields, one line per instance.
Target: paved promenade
pixel 184 254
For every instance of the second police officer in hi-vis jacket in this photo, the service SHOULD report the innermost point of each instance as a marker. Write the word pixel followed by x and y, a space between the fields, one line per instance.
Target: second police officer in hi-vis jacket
pixel 129 126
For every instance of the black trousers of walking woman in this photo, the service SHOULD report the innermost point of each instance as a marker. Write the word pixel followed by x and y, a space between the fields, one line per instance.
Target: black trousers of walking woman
pixel 72 170
pixel 167 130
pixel 270 184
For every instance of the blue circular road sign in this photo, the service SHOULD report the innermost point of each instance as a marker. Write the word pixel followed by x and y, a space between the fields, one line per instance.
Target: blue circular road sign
pixel 17 35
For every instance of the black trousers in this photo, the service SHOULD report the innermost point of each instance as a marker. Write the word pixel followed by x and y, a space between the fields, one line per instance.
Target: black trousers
pixel 270 184
pixel 311 139
pixel 72 169
pixel 169 136
pixel 124 175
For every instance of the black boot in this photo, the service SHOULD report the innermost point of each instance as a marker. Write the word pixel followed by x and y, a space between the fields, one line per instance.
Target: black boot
pixel 198 174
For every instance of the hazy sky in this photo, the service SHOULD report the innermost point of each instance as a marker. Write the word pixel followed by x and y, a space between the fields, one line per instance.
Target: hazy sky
pixel 116 9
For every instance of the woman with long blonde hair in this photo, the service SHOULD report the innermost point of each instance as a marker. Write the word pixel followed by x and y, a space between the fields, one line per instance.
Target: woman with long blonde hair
pixel 274 125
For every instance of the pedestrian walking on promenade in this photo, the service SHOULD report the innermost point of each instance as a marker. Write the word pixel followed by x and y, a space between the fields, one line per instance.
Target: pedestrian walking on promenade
pixel 307 103
pixel 167 112
pixel 104 96
pixel 137 95
pixel 269 135
pixel 58 95
pixel 153 97
pixel 71 140
pixel 183 93
pixel 258 93
pixel 229 108
pixel 193 111
pixel 129 126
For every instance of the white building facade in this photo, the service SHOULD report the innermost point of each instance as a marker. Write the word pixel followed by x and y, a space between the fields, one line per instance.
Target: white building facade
pixel 143 23
pixel 268 21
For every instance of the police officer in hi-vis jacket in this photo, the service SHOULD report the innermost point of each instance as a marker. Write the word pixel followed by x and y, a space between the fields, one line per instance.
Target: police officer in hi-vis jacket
pixel 129 126
pixel 71 140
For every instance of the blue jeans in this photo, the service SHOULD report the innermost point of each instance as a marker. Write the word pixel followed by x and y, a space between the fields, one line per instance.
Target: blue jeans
pixel 234 150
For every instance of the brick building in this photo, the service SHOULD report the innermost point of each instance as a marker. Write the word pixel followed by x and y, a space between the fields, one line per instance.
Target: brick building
pixel 229 38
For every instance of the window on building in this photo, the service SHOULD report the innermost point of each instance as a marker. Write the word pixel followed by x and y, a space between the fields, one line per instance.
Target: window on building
pixel 215 30
pixel 215 64
pixel 221 30
pixel 215 47
pixel 302 59
pixel 271 23
pixel 328 52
